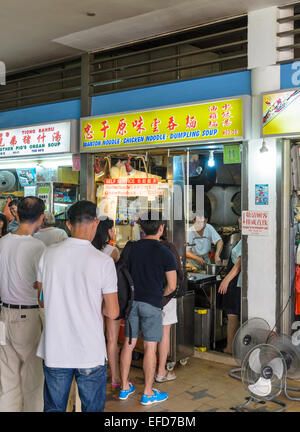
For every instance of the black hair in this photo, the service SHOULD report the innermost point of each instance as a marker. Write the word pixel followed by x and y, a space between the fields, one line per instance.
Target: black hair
pixel 4 228
pixel 150 222
pixel 100 240
pixel 164 236
pixel 30 209
pixel 13 202
pixel 82 212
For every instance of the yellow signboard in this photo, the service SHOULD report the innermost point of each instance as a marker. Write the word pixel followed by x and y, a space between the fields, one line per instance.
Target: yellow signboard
pixel 215 120
pixel 281 113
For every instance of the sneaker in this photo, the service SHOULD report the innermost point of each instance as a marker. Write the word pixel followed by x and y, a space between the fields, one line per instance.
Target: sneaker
pixel 157 397
pixel 123 395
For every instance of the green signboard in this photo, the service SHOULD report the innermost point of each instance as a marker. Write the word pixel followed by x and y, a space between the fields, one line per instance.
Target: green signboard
pixel 232 154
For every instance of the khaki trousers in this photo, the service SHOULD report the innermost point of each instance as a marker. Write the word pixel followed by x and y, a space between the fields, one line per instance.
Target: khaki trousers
pixel 21 371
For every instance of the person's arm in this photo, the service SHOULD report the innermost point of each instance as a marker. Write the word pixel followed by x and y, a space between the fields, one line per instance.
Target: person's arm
pixel 39 288
pixel 196 258
pixel 231 275
pixel 111 305
pixel 115 255
pixel 219 248
pixel 171 277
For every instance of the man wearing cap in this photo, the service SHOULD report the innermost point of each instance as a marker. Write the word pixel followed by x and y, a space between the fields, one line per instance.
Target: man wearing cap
pixel 201 237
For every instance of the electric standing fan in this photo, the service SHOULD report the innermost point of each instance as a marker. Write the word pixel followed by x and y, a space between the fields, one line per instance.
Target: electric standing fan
pixel 264 373
pixel 253 332
pixel 291 353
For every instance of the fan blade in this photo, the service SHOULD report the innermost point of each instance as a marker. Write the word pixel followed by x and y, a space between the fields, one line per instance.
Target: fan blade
pixel 262 387
pixel 254 361
pixel 277 366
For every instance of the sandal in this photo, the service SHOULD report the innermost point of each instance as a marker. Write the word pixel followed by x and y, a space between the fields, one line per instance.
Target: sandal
pixel 165 378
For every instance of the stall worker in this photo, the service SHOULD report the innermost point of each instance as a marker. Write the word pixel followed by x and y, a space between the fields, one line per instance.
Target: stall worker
pixel 201 236
pixel 230 289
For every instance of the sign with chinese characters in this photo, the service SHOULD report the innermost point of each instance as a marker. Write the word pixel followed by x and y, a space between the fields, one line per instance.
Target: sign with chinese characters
pixel 216 120
pixel 255 223
pixel 36 140
pixel 281 112
pixel 261 194
pixel 131 187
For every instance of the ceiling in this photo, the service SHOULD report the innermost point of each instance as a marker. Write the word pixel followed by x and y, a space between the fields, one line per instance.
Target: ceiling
pixel 37 32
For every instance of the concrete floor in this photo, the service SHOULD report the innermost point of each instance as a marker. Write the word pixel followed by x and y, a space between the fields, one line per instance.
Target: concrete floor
pixel 201 386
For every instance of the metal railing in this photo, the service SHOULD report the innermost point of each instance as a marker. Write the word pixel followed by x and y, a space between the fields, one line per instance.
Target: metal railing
pixel 289 38
pixel 49 83
pixel 209 49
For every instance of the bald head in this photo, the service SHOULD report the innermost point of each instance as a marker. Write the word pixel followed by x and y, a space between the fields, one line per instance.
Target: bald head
pixel 30 209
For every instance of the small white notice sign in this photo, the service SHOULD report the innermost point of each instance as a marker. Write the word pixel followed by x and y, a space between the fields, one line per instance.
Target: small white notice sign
pixel 255 223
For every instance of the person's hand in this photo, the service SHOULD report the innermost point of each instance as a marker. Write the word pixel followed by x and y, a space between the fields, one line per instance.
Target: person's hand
pixel 223 287
pixel 218 260
pixel 201 261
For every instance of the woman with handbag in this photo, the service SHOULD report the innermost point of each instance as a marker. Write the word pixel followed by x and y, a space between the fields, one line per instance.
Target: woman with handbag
pixel 169 314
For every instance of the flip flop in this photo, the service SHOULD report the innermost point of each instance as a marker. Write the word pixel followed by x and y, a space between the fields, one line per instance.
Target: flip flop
pixel 165 378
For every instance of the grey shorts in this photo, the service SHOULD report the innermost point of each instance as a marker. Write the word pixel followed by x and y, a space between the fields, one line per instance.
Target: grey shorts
pixel 146 318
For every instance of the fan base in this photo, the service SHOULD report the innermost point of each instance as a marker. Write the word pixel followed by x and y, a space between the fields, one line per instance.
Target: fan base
pixel 242 407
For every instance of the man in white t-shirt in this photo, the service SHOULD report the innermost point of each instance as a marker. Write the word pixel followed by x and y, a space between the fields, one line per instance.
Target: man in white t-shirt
pixel 76 280
pixel 200 238
pixel 48 233
pixel 21 372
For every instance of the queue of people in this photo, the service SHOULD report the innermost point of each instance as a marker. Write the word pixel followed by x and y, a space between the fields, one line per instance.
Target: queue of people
pixel 75 281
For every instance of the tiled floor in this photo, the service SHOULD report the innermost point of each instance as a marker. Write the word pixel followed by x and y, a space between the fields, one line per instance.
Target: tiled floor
pixel 201 386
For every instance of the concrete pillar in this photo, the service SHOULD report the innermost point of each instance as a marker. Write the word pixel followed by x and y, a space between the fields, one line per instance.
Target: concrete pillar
pixel 87 186
pixel 265 76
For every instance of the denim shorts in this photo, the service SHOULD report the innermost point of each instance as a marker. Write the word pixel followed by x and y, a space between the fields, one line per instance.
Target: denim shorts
pixel 146 318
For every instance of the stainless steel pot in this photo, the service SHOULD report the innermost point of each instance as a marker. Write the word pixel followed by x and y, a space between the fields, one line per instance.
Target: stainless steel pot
pixel 213 269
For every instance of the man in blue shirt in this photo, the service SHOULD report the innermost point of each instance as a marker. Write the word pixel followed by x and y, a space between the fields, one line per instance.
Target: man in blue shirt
pixel 201 236
pixel 149 263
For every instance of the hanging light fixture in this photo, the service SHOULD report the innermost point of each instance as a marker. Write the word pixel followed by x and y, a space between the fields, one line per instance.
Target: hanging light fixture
pixel 211 160
pixel 264 147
